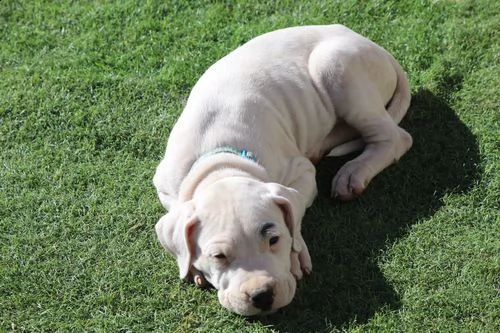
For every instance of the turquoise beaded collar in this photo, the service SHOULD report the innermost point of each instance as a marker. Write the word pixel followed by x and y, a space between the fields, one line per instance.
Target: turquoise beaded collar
pixel 228 150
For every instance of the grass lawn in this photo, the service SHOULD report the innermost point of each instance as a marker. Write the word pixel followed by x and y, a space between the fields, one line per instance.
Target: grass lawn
pixel 88 93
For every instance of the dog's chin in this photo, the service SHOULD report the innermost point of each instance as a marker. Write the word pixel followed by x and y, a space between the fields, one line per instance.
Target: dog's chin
pixel 268 312
pixel 250 311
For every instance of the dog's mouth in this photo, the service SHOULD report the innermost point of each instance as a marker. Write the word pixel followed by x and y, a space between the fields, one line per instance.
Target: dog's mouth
pixel 198 278
pixel 241 304
pixel 261 300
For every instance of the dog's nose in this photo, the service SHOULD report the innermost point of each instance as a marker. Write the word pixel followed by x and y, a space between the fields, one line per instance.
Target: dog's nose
pixel 262 299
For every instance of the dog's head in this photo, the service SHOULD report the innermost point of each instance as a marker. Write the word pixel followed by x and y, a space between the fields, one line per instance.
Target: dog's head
pixel 239 234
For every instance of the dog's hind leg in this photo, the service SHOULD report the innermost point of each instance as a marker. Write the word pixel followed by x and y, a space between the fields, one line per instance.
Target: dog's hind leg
pixel 385 141
pixel 361 78
pixel 385 144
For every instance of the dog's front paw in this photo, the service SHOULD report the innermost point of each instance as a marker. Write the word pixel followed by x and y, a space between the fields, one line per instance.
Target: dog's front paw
pixel 305 261
pixel 295 265
pixel 350 181
pixel 301 263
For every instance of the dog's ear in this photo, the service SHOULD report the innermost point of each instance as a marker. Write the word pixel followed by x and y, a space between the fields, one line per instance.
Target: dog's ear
pixel 175 231
pixel 292 204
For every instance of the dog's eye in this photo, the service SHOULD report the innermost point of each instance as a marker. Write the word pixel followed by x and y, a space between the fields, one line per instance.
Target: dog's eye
pixel 273 240
pixel 220 256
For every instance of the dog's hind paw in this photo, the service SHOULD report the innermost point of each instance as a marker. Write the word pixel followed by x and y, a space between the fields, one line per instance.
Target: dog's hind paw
pixel 350 181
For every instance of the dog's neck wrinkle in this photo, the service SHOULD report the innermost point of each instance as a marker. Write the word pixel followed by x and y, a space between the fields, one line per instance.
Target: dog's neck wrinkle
pixel 216 167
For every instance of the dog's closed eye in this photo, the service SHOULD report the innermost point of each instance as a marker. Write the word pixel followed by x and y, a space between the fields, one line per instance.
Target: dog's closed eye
pixel 220 259
pixel 220 256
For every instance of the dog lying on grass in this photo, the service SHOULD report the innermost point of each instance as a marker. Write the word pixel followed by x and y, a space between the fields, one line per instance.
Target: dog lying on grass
pixel 238 172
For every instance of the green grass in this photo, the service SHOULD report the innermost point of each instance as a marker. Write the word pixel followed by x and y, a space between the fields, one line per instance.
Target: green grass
pixel 88 93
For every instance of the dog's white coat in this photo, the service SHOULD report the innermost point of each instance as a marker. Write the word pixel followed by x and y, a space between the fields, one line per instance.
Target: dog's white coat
pixel 289 96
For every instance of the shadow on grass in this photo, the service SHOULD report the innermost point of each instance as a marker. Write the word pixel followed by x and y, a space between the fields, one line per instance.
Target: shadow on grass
pixel 345 240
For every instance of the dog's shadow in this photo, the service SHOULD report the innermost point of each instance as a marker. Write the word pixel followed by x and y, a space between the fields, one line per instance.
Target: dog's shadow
pixel 345 240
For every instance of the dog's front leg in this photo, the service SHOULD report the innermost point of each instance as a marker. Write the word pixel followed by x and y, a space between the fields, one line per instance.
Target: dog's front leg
pixel 300 261
pixel 301 177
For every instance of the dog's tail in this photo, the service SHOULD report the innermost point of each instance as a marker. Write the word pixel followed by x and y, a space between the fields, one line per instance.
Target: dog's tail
pixel 397 107
pixel 400 101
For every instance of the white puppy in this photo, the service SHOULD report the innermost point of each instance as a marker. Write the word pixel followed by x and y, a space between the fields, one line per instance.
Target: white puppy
pixel 238 171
